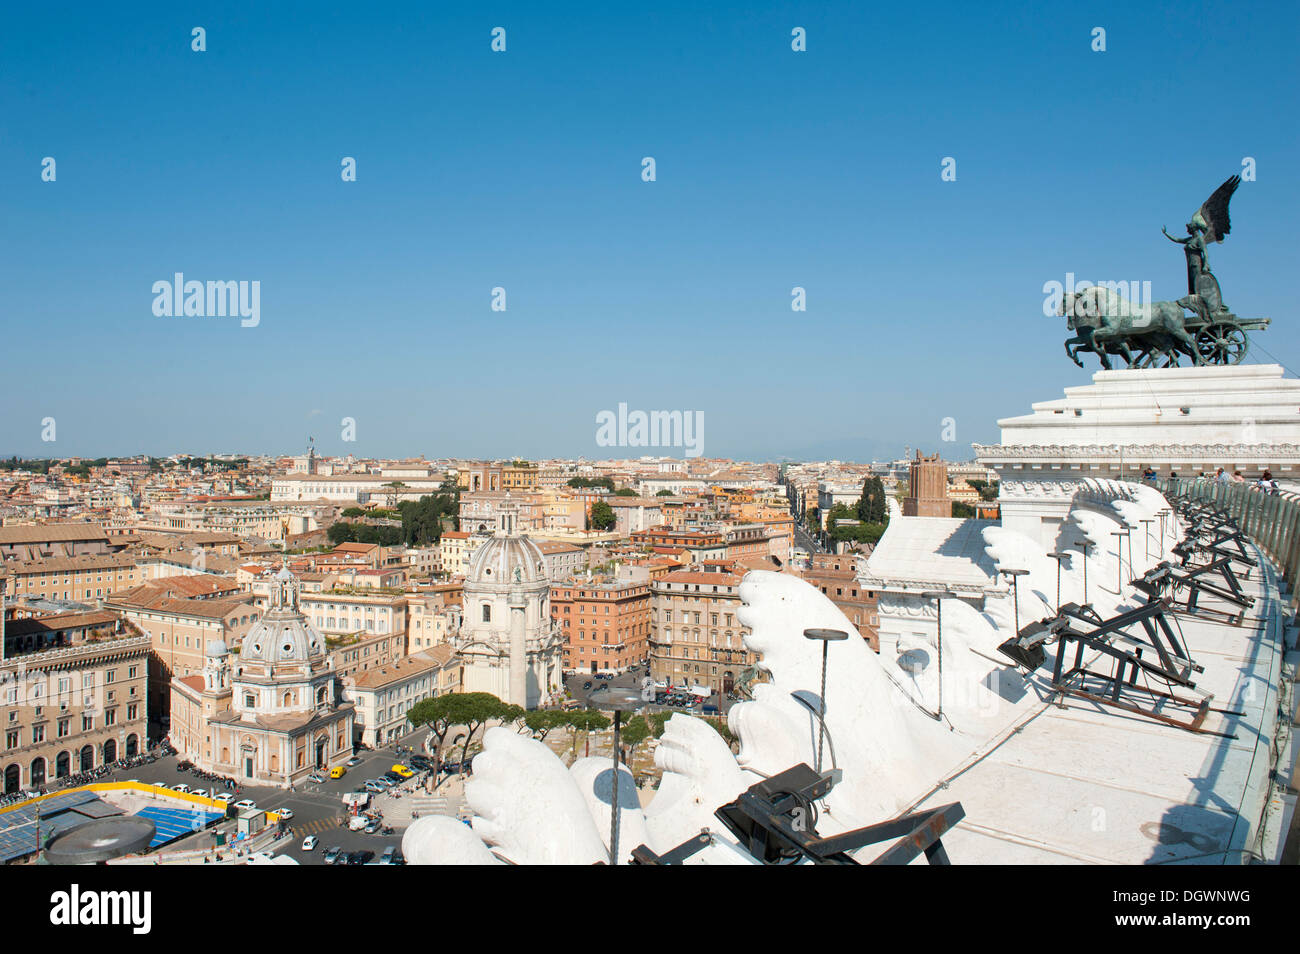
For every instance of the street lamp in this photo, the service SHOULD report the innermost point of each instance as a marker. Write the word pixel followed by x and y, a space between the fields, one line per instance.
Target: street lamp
pixel 827 636
pixel 1058 556
pixel 620 701
pixel 1162 514
pixel 1146 538
pixel 1015 591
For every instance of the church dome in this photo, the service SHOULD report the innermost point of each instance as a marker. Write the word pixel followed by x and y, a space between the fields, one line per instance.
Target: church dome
pixel 283 634
pixel 507 559
pixel 217 647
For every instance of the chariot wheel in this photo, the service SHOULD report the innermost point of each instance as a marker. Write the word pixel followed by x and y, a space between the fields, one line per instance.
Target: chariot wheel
pixel 1221 342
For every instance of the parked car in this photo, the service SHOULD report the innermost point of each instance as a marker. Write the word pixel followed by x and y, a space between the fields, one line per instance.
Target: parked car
pixel 309 843
pixel 317 776
pixel 182 787
pixel 360 857
pixel 372 828
pixel 244 804
pixel 373 785
pixel 226 797
pixel 393 777
pixel 402 770
pixel 332 855
pixel 353 762
pixel 184 766
pixel 387 857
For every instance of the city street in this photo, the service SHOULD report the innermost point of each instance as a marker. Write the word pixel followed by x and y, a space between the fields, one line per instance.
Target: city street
pixel 317 807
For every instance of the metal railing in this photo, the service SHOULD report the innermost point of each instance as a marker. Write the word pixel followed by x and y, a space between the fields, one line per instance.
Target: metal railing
pixel 1271 520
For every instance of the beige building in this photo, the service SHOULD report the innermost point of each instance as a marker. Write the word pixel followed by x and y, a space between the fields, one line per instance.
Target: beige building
pixel 179 628
pixel 41 541
pixel 80 578
pixel 430 622
pixel 72 705
pixel 348 612
pixel 383 696
pixel 696 639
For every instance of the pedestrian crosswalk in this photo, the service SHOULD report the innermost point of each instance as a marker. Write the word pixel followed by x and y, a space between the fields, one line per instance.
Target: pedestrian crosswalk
pixel 319 826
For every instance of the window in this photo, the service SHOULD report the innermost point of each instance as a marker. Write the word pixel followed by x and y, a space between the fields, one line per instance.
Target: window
pixel 64 728
pixel 487 613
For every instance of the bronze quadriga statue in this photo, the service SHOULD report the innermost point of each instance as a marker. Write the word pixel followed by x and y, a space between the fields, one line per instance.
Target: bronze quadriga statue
pixel 1160 334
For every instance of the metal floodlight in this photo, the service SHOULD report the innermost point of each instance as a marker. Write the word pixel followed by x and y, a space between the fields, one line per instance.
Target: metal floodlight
pixel 1058 556
pixel 827 636
pixel 620 700
pixel 1015 590
pixel 938 596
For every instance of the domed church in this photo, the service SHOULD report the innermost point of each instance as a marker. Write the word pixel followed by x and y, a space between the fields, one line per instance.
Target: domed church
pixel 509 645
pixel 270 714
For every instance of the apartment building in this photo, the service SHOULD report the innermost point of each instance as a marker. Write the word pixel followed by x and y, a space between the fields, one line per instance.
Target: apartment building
pixel 835 574
pixel 180 626
pixel 382 696
pixel 83 578
pixel 347 612
pixel 46 540
pixel 605 623
pixel 563 560
pixel 430 621
pixel 696 639
pixel 72 708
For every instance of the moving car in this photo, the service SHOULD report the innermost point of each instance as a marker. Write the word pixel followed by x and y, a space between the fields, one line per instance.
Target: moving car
pixel 372 828
pixel 353 762
pixel 182 787
pixel 331 854
pixel 244 804
pixel 387 857
pixel 309 844
pixel 284 814
pixel 224 797
pixel 338 771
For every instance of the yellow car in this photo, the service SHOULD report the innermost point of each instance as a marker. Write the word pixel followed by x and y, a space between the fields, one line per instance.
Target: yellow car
pixel 403 771
pixel 338 771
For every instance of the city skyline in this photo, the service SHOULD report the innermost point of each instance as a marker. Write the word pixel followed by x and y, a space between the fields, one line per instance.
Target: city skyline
pixel 521 170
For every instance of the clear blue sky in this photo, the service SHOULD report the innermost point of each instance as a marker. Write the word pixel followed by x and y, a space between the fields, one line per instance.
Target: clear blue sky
pixel 476 169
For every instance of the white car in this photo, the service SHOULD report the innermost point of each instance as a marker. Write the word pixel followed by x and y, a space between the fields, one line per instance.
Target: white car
pixel 224 797
pixel 309 843
pixel 182 787
pixel 284 813
pixel 244 804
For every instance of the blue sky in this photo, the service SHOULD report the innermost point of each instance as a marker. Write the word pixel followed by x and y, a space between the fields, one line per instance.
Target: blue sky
pixel 522 170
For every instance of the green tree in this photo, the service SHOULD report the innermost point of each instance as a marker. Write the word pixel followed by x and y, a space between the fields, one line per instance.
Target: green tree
pixel 542 722
pixel 664 493
pixel 625 492
pixel 634 733
pixel 442 713
pixel 353 512
pixel 871 505
pixel 602 516
pixel 962 509
pixel 584 720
